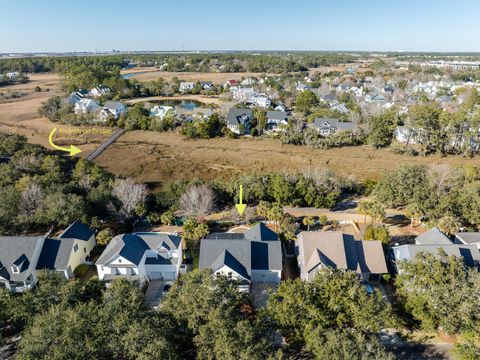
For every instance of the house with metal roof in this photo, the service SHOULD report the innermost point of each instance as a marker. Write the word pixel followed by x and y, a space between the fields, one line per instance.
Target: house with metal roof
pixel 141 256
pixel 252 257
pixel 319 250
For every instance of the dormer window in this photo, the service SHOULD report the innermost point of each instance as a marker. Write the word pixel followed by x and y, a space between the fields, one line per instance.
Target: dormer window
pixel 15 269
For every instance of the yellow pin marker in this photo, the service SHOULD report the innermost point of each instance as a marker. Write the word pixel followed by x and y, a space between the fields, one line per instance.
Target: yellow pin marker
pixel 73 150
pixel 241 206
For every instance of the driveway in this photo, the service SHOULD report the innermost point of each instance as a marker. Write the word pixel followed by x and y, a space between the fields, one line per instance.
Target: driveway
pixel 154 293
pixel 260 293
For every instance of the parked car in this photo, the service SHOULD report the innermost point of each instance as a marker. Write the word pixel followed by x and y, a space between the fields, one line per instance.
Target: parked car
pixel 368 288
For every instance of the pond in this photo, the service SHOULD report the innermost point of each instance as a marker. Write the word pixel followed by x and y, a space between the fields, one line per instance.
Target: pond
pixel 180 104
pixel 129 75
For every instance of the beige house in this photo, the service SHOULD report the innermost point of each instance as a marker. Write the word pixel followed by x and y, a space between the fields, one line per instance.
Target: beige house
pixel 332 249
pixel 70 249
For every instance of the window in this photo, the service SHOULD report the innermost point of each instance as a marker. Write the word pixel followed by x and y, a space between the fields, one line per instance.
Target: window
pixel 75 248
pixel 84 250
pixel 230 274
pixel 15 269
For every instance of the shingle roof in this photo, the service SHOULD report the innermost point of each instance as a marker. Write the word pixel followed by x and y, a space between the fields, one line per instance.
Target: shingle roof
pixel 277 115
pixel 433 237
pixel 468 237
pixel 261 232
pixel 55 254
pixel 213 255
pixel 256 249
pixel 133 246
pixel 239 116
pixel 20 250
pixel 469 253
pixel 341 251
pixel 320 123
pixel 78 230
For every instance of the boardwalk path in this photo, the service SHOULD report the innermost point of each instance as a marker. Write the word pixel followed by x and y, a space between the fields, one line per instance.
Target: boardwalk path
pixel 95 153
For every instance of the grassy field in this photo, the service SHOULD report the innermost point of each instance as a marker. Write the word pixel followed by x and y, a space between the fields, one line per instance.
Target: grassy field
pixel 159 157
pixel 20 115
pixel 151 73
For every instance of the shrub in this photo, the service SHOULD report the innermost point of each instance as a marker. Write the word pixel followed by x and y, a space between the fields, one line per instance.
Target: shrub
pixel 80 270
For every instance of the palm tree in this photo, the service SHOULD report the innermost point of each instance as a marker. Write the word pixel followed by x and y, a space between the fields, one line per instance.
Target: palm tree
pixel 275 214
pixel 414 212
pixel 364 208
pixel 307 221
pixel 263 208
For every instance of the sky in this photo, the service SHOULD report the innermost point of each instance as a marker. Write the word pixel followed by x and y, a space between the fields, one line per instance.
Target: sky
pixel 136 25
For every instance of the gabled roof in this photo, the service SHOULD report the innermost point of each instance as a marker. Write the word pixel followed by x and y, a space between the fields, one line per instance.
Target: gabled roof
pixel 227 259
pixel 133 246
pixel 341 251
pixel 114 105
pixel 239 116
pixel 234 253
pixel 433 237
pixel 322 123
pixel 277 115
pixel 256 249
pixel 55 254
pixel 468 237
pixel 78 230
pixel 17 250
pixel 469 253
pixel 261 232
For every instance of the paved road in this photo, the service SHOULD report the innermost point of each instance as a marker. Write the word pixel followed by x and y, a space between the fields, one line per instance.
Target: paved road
pixel 105 145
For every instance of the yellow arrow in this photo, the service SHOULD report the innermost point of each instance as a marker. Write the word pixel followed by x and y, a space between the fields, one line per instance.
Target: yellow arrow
pixel 73 150
pixel 240 206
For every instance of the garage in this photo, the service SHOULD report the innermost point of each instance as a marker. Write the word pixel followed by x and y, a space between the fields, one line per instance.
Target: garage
pixel 159 275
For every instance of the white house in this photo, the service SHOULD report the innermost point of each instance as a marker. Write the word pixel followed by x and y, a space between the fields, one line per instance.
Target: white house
pixel 141 256
pixel 100 90
pixel 252 257
pixel 85 106
pixel 242 94
pixel 259 99
pixel 112 108
pixel 162 110
pixel 327 127
pixel 276 120
pixel 238 118
pixel 186 86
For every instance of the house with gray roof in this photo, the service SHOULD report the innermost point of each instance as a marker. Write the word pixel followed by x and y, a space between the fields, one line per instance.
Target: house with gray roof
pixel 319 250
pixel 71 249
pixel 435 242
pixel 141 256
pixel 112 108
pixel 21 257
pixel 469 253
pixel 433 237
pixel 275 119
pixel 252 257
pixel 238 120
pixel 468 238
pixel 327 126
pixel 18 260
